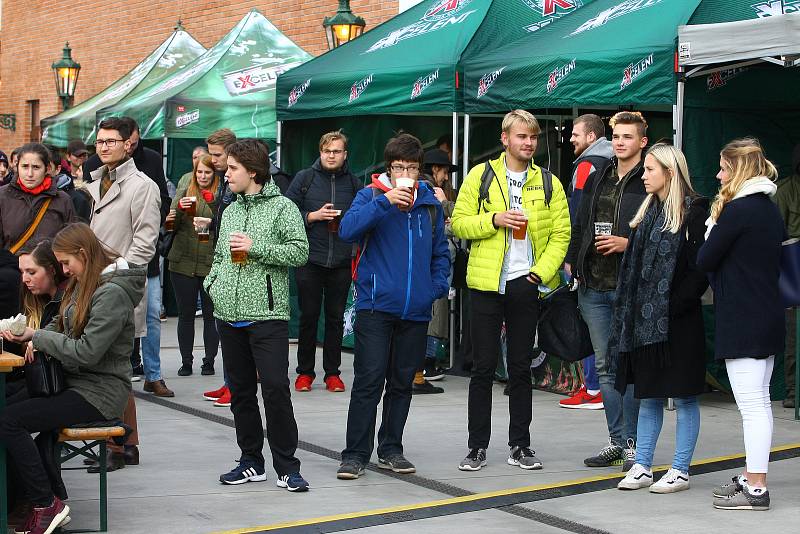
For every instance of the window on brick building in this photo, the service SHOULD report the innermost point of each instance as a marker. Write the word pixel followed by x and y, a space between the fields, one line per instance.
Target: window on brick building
pixel 33 116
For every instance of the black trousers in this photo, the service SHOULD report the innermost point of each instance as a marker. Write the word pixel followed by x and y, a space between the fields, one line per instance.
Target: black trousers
pixel 262 347
pixel 519 307
pixel 18 421
pixel 186 289
pixel 314 282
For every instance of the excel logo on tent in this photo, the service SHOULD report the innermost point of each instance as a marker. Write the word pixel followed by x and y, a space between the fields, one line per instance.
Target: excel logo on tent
pixel 487 80
pixel 559 74
pixel 443 14
pixel 619 10
pixel 359 87
pixel 423 83
pixel 718 79
pixel 297 92
pixel 634 70
pixel 187 118
pixel 445 8
pixel 774 8
pixel 551 10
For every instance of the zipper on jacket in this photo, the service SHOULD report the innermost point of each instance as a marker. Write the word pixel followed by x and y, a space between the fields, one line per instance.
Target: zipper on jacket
pixel 239 270
pixel 330 234
pixel 410 263
pixel 374 283
pixel 419 224
pixel 270 301
pixel 505 230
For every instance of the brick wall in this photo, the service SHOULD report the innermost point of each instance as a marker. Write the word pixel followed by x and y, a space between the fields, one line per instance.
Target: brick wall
pixel 109 37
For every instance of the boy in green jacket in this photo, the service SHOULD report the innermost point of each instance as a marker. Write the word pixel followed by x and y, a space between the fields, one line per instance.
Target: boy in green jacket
pixel 260 236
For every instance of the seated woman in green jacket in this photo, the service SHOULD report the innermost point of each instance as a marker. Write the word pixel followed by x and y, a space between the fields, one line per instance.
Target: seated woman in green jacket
pixel 92 337
pixel 190 260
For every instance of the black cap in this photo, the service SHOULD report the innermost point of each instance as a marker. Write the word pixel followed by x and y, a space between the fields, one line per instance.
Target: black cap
pixel 77 148
pixel 438 157
pixel 3 157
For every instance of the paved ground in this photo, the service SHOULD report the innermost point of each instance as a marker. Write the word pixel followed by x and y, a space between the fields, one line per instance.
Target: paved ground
pixel 187 443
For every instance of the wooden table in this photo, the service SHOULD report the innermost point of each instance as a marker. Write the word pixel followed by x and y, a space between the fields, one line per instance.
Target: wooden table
pixel 8 362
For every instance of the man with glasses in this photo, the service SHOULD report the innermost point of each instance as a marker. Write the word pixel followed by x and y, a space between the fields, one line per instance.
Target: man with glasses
pixel 402 267
pixel 323 193
pixel 125 217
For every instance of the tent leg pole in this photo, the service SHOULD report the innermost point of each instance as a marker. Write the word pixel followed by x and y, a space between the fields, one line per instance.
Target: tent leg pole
pixel 279 125
pixel 677 115
pixel 164 144
pixel 451 302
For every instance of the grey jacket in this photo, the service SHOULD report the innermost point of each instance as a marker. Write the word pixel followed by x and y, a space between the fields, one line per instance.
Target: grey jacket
pixel 97 365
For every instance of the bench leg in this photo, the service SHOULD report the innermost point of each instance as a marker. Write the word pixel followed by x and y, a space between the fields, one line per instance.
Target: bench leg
pixel 103 487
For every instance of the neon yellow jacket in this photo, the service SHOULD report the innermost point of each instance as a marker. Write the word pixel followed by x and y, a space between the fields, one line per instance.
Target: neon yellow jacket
pixel 548 227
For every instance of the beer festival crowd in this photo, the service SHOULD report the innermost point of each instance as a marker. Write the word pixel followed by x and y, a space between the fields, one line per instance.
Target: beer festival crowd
pixel 84 239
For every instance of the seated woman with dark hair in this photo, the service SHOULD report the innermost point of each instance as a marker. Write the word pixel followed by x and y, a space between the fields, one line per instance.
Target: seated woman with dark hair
pixel 92 337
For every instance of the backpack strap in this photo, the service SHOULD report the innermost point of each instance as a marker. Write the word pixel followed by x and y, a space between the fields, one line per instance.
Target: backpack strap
pixel 307 180
pixel 486 181
pixel 547 183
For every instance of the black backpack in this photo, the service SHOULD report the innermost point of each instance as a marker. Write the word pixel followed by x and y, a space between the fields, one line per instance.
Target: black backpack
pixel 489 175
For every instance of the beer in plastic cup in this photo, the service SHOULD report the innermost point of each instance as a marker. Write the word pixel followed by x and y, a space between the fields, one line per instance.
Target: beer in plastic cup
pixel 203 233
pixel 191 209
pixel 602 228
pixel 522 231
pixel 238 257
pixel 169 226
pixel 406 183
pixel 333 224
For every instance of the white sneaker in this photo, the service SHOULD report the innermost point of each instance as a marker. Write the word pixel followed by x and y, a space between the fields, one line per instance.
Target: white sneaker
pixel 638 477
pixel 671 482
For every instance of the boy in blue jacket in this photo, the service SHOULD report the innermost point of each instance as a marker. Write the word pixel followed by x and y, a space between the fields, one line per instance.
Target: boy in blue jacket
pixel 402 268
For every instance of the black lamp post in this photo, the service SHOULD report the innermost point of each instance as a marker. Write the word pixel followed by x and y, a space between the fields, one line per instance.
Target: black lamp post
pixel 66 71
pixel 343 26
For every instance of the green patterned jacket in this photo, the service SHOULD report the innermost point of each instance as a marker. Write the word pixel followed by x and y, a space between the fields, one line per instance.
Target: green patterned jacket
pixel 259 289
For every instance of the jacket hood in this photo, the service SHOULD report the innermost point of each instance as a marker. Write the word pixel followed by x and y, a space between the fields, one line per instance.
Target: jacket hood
pixel 63 181
pixel 269 190
pixel 796 159
pixel 317 166
pixel 601 147
pixel 130 280
pixel 755 185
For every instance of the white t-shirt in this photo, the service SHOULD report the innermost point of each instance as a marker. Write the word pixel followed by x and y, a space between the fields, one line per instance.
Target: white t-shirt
pixel 520 258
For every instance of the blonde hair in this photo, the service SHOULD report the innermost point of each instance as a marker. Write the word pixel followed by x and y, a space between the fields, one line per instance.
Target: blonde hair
pixel 520 115
pixel 673 163
pixel 743 159
pixel 630 117
pixel 330 137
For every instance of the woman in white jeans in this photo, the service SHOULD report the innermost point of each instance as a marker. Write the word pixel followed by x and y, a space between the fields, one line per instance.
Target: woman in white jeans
pixel 742 256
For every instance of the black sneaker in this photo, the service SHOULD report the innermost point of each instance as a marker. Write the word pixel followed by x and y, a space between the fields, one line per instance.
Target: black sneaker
pixel 425 388
pixel 744 499
pixel 207 369
pixel 729 489
pixel 185 370
pixel 609 455
pixel 350 470
pixel 293 482
pixel 397 463
pixel 629 455
pixel 524 458
pixel 246 471
pixel 431 372
pixel 474 461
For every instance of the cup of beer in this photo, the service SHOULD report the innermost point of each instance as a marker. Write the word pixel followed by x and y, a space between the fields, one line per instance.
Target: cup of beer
pixel 406 183
pixel 238 257
pixel 191 209
pixel 169 225
pixel 602 228
pixel 522 231
pixel 333 224
pixel 203 232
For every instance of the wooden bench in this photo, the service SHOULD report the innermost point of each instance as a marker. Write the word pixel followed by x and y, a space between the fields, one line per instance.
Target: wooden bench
pixel 90 437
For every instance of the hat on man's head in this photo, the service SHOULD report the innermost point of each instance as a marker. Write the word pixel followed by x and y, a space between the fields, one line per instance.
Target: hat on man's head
pixel 3 157
pixel 438 157
pixel 77 148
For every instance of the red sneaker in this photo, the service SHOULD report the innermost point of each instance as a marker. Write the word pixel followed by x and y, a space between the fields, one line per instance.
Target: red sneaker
pixel 46 520
pixel 583 401
pixel 216 394
pixel 225 400
pixel 303 382
pixel 334 384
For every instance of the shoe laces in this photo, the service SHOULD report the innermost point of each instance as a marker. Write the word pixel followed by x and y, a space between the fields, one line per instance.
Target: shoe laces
pixel 476 454
pixel 524 452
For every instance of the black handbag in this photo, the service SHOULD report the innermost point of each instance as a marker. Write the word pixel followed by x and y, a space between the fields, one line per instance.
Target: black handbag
pixel 561 329
pixel 789 281
pixel 165 243
pixel 460 266
pixel 44 376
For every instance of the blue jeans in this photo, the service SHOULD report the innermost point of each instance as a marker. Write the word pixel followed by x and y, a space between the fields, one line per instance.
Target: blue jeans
pixel 590 378
pixel 388 351
pixel 430 349
pixel 622 412
pixel 151 344
pixel 651 417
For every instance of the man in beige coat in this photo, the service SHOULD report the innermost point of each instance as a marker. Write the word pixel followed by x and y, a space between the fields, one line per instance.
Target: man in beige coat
pixel 126 217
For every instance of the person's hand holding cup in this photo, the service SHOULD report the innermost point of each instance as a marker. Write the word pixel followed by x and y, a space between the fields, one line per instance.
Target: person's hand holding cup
pixel 406 184
pixel 169 222
pixel 240 246
pixel 203 230
pixel 188 205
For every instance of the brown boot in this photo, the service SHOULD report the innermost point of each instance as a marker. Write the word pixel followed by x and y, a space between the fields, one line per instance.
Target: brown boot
pixel 131 455
pixel 114 461
pixel 158 388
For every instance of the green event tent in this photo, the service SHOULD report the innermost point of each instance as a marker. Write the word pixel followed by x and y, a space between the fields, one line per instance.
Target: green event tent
pixel 79 121
pixel 231 85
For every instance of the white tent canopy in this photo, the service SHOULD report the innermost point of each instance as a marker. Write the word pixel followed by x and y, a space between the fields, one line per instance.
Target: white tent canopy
pixel 771 39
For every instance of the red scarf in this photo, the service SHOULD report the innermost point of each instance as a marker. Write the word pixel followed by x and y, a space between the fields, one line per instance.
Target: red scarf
pixel 44 186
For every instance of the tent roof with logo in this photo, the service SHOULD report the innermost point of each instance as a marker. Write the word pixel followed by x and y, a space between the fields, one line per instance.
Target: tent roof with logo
pixel 411 63
pixel 232 86
pixel 610 52
pixel 79 121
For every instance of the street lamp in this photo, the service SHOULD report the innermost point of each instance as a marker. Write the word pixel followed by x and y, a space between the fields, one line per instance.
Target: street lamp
pixel 66 71
pixel 343 26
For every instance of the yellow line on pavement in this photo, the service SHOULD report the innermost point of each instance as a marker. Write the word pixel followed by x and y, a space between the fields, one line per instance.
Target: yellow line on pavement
pixel 476 496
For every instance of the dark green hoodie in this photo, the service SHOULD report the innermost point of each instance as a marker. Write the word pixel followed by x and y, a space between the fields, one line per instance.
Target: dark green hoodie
pixel 97 365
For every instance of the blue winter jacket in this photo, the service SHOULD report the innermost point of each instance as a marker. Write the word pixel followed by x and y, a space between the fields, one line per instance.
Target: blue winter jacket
pixel 404 266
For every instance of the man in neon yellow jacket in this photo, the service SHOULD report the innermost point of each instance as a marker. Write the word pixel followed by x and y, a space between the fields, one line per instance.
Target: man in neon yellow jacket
pixel 520 231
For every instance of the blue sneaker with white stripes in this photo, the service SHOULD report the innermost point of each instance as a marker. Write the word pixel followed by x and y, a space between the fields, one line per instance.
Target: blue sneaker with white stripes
pixel 292 482
pixel 246 471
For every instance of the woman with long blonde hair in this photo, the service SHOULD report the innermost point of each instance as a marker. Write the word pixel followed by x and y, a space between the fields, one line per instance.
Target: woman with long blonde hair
pixel 657 339
pixel 93 339
pixel 742 256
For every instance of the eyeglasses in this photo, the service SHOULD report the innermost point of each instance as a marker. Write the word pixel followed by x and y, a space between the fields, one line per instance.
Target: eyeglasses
pixel 110 143
pixel 333 152
pixel 412 170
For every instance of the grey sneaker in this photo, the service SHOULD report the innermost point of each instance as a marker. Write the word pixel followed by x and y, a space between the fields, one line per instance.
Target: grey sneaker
pixel 350 470
pixel 629 456
pixel 743 500
pixel 724 491
pixel 524 458
pixel 397 463
pixel 609 455
pixel 474 460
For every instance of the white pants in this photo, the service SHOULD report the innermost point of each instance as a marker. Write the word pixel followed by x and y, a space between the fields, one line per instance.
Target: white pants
pixel 750 383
